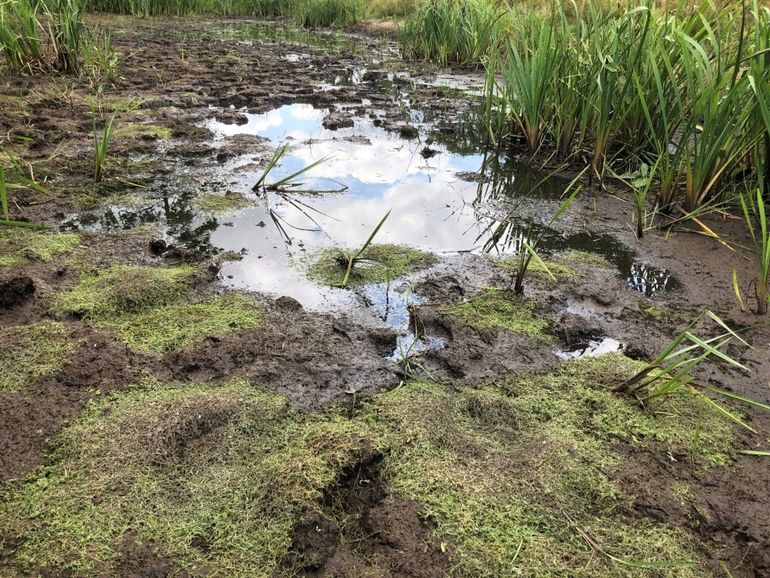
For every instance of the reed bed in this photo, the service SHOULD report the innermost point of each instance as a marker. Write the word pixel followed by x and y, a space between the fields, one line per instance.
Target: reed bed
pixel 40 35
pixel 310 13
pixel 453 31
pixel 678 92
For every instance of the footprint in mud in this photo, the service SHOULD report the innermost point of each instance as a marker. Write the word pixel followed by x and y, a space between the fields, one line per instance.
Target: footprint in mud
pixel 365 530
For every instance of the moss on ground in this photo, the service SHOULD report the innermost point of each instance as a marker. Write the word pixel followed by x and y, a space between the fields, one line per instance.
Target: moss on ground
pixel 378 264
pixel 148 308
pixel 512 474
pixel 178 326
pixel 652 311
pixel 230 465
pixel 142 130
pixel 20 246
pixel 577 258
pixel 562 266
pixel 559 272
pixel 494 308
pixel 121 289
pixel 222 203
pixel 29 353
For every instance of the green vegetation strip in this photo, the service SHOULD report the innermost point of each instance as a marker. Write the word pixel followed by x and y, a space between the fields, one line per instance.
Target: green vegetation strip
pixel 29 353
pixel 148 308
pixel 511 473
pixel 20 246
pixel 180 326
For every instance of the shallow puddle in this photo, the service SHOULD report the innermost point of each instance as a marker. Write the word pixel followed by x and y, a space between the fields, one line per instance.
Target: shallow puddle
pixel 591 348
pixel 443 196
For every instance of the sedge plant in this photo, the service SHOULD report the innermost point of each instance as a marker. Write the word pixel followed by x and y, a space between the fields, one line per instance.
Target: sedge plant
pixel 6 215
pixel 672 372
pixel 531 241
pixel 103 137
pixel 349 259
pixel 101 146
pixel 287 183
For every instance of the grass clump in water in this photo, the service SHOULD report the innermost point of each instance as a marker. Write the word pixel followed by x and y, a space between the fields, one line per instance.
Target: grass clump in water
pixel 561 266
pixel 559 271
pixel 20 246
pixel 216 204
pixel 29 353
pixel 179 326
pixel 498 309
pixel 584 259
pixel 378 264
pixel 122 289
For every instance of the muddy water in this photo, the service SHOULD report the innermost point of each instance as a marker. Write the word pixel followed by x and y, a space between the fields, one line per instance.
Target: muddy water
pixel 444 195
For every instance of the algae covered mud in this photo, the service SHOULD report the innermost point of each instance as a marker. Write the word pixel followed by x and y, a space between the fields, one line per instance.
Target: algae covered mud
pixel 214 369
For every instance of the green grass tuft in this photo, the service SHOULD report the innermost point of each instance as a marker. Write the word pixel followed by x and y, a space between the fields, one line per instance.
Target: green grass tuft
pixel 506 469
pixel 147 308
pixel 222 203
pixel 575 258
pixel 498 309
pixel 178 326
pixel 29 353
pixel 561 271
pixel 122 289
pixel 379 263
pixel 143 130
pixel 652 311
pixel 20 246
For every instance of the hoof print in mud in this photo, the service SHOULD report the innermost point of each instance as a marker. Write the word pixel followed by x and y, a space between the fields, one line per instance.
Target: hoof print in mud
pixel 15 291
pixel 375 531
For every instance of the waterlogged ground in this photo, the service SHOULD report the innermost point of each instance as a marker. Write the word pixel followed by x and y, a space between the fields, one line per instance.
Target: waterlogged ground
pixel 188 390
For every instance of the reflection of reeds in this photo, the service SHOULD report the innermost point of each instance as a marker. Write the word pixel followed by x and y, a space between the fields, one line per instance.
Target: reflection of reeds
pixel 755 212
pixel 291 182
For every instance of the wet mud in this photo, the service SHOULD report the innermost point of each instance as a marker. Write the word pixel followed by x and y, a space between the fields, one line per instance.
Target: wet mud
pixel 215 99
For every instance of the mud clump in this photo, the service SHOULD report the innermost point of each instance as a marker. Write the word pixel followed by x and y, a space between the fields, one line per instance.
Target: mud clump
pixel 29 417
pixel 312 360
pixel 336 120
pixel 183 424
pixel 143 561
pixel 376 533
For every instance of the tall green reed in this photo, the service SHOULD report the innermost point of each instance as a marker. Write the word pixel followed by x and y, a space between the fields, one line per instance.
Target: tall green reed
pixel 41 35
pixel 617 88
pixel 458 31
